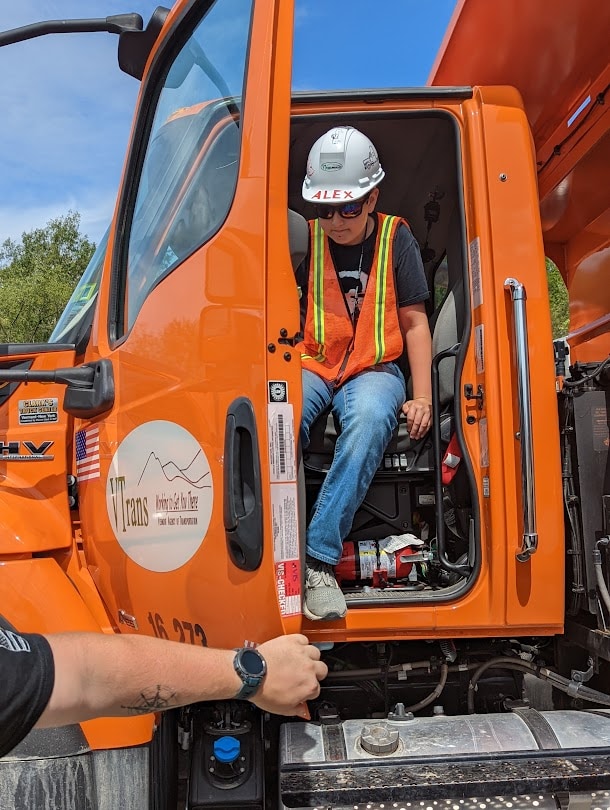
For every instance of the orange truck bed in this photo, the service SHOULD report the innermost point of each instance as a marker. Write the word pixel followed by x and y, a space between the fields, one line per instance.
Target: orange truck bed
pixel 555 53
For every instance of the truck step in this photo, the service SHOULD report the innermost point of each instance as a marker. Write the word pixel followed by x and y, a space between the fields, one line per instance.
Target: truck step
pixel 575 801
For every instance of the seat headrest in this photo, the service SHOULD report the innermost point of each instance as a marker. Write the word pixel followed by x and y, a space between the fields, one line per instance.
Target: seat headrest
pixel 298 237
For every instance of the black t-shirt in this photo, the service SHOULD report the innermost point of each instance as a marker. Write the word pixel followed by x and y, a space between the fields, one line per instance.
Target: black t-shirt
pixel 353 265
pixel 27 675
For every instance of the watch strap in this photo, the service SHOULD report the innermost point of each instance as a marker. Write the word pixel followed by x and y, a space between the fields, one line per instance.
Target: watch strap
pixel 247 691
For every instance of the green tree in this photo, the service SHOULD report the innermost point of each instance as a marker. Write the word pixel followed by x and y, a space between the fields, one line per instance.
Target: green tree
pixel 558 300
pixel 37 277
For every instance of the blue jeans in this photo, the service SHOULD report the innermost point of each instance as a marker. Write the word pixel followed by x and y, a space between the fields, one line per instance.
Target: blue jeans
pixel 366 407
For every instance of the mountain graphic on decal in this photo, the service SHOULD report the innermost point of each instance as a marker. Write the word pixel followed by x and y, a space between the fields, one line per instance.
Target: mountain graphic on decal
pixel 195 472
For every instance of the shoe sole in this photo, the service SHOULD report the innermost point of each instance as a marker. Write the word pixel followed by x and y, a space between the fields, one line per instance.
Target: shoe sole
pixel 329 617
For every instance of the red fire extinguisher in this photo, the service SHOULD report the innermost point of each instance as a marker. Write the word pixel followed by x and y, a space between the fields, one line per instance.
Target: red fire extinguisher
pixel 364 562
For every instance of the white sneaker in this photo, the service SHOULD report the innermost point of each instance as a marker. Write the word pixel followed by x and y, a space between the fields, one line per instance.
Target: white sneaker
pixel 323 599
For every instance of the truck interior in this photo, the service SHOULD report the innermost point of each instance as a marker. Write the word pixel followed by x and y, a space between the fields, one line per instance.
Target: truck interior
pixel 420 153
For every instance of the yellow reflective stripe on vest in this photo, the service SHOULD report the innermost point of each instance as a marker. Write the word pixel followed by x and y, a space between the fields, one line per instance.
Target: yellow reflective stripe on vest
pixel 318 289
pixel 380 287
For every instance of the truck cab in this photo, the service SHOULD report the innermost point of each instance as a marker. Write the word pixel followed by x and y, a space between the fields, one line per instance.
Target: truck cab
pixel 176 428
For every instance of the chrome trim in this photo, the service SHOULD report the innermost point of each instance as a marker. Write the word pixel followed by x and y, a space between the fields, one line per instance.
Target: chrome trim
pixel 529 542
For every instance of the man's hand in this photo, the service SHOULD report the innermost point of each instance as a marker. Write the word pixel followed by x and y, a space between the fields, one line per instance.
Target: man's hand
pixel 294 672
pixel 419 416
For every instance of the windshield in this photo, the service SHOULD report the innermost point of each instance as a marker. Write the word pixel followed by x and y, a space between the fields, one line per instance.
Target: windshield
pixel 78 314
pixel 189 172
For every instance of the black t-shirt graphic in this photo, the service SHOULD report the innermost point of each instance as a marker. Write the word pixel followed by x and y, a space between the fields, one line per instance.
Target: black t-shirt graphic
pixel 27 675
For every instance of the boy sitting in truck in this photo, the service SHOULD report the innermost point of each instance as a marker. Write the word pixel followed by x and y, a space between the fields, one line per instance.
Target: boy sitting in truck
pixel 363 293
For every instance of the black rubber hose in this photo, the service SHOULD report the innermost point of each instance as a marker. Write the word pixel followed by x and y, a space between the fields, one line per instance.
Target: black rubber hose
pixel 375 672
pixel 433 695
pixel 569 687
pixel 506 663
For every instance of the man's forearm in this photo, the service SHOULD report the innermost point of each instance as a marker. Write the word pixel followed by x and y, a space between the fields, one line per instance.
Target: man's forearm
pixel 100 675
pixel 97 675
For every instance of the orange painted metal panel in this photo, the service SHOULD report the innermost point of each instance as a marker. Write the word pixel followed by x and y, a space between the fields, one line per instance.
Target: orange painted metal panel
pixel 181 367
pixel 551 50
pixel 37 597
pixel 556 55
pixel 36 439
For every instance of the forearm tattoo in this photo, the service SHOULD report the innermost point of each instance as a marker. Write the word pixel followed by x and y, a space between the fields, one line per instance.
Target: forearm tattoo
pixel 155 699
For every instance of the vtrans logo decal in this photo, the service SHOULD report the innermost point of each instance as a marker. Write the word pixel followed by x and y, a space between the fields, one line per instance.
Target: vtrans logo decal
pixel 159 495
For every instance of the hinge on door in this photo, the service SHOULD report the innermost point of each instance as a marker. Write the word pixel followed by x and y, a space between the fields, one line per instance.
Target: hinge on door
pixel 288 341
pixel 479 396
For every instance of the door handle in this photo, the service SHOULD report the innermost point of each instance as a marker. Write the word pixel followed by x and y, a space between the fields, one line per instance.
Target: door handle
pixel 243 502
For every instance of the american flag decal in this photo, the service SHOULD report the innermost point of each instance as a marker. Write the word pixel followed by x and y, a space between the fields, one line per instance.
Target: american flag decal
pixel 88 453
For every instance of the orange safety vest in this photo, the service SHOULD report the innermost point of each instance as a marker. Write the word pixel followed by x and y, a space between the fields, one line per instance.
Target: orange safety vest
pixel 331 348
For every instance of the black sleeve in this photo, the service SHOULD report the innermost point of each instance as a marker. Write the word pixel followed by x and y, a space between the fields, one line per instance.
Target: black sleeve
pixel 411 285
pixel 27 675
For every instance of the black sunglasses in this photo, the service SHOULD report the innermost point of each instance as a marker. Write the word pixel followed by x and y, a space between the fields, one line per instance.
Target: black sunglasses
pixel 349 210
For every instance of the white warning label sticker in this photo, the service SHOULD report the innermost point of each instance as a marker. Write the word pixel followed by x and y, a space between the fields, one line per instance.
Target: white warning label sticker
pixel 284 519
pixel 282 457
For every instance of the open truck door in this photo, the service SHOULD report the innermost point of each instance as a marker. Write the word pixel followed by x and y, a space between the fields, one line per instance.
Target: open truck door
pixel 191 523
pixel 171 507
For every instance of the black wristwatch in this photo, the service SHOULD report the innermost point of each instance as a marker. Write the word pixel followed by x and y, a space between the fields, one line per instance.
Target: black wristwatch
pixel 251 668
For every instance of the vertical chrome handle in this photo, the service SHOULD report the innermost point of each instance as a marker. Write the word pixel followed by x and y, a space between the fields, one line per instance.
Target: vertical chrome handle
pixel 529 542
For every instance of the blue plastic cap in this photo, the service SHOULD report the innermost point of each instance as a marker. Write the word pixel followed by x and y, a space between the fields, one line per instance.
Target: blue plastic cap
pixel 226 749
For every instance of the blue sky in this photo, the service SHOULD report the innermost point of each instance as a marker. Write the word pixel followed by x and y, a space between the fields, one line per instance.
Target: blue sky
pixel 67 108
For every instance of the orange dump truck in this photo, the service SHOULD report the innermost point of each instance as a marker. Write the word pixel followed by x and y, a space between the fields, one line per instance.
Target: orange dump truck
pixel 151 479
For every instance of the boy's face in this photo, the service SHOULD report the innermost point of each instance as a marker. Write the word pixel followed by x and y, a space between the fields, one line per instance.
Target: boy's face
pixel 349 231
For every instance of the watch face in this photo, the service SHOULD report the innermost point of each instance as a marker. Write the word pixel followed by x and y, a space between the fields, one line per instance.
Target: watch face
pixel 252 662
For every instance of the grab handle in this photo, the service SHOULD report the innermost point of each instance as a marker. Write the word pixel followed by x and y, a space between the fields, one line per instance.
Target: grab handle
pixel 243 499
pixel 463 569
pixel 529 542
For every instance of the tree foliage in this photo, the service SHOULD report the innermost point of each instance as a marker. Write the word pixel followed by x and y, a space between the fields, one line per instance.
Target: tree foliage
pixel 558 300
pixel 37 277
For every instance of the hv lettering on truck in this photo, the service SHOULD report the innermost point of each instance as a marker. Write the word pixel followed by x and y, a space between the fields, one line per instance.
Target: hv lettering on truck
pixel 12 451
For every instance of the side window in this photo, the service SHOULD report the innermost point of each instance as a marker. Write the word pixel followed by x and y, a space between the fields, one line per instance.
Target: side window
pixel 77 316
pixel 190 168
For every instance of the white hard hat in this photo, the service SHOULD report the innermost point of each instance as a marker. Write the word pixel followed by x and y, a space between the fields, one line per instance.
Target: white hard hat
pixel 342 165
